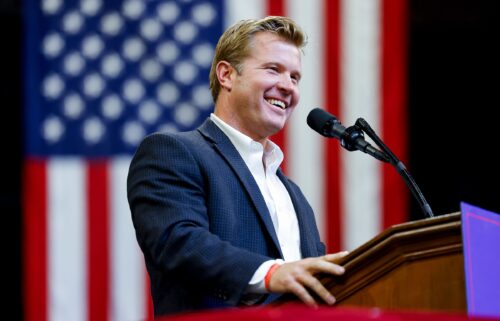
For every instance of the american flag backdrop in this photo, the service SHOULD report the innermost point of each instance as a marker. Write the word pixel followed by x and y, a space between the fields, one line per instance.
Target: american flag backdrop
pixel 100 75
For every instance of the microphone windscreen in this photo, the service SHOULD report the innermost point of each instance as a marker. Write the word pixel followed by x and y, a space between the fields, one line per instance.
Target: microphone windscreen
pixel 318 119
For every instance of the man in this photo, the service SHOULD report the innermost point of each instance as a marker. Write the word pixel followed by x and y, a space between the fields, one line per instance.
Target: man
pixel 218 222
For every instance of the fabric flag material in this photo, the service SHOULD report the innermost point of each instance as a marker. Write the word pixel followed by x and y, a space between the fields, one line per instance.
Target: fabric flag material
pixel 100 75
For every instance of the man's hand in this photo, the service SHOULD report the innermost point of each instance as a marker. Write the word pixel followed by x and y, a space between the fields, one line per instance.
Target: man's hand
pixel 298 277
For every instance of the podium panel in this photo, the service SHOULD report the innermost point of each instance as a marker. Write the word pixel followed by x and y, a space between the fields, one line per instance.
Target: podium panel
pixel 415 285
pixel 416 265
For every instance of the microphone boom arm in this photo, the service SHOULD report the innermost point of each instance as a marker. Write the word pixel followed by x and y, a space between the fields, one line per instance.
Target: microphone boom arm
pixel 400 167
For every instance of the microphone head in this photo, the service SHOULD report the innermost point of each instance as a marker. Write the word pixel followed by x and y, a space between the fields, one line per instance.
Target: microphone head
pixel 322 122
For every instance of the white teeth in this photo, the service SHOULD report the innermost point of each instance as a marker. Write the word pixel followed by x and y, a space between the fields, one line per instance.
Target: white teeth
pixel 276 102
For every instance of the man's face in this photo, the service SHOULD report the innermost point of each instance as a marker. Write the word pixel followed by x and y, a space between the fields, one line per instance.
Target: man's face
pixel 266 90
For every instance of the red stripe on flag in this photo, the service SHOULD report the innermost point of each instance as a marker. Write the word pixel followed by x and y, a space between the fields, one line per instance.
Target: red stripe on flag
pixel 393 102
pixel 98 240
pixel 148 302
pixel 277 8
pixel 35 240
pixel 333 199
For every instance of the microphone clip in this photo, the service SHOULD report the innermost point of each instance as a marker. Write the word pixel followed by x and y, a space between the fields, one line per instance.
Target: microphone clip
pixel 351 135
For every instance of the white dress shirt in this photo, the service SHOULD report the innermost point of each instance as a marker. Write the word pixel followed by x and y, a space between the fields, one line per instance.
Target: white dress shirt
pixel 263 164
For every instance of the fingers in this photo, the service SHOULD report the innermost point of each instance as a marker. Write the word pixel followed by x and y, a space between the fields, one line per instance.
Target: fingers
pixel 287 278
pixel 299 290
pixel 326 267
pixel 315 285
pixel 299 278
pixel 335 257
pixel 303 284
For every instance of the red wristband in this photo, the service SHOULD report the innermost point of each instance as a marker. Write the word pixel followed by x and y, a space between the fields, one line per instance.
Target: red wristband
pixel 270 272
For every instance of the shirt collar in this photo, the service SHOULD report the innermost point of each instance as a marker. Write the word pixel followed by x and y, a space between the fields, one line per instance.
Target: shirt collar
pixel 250 150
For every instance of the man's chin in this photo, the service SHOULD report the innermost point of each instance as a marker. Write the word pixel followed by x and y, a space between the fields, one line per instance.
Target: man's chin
pixel 276 129
pixel 273 127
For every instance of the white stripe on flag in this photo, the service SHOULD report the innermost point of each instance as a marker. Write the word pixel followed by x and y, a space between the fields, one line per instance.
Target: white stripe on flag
pixel 127 262
pixel 360 92
pixel 304 152
pixel 237 10
pixel 67 240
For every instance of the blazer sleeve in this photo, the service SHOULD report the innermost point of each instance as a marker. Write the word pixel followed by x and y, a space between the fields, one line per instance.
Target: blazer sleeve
pixel 166 193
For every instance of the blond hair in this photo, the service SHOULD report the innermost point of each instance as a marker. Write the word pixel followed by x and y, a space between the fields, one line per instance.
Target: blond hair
pixel 234 44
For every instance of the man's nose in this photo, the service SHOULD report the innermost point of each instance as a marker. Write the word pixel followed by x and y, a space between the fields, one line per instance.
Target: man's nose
pixel 286 83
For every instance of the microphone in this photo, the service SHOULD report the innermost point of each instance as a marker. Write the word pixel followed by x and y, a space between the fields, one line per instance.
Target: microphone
pixel 351 138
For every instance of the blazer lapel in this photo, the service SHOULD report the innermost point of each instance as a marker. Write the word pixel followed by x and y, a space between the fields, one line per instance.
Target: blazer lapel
pixel 306 242
pixel 224 146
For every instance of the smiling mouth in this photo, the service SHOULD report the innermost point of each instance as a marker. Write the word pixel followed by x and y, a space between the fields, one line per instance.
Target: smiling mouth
pixel 277 103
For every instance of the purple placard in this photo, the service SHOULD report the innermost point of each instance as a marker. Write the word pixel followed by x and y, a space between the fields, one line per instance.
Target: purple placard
pixel 481 241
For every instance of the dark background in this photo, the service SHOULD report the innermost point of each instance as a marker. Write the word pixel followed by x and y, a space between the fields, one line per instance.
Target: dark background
pixel 453 75
pixel 453 97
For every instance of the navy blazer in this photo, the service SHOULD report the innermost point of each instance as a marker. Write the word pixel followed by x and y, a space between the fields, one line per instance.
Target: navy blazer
pixel 201 220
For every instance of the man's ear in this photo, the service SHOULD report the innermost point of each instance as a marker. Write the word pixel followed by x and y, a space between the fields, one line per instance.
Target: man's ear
pixel 225 73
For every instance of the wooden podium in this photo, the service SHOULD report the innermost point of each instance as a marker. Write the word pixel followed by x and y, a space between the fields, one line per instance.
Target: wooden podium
pixel 416 265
